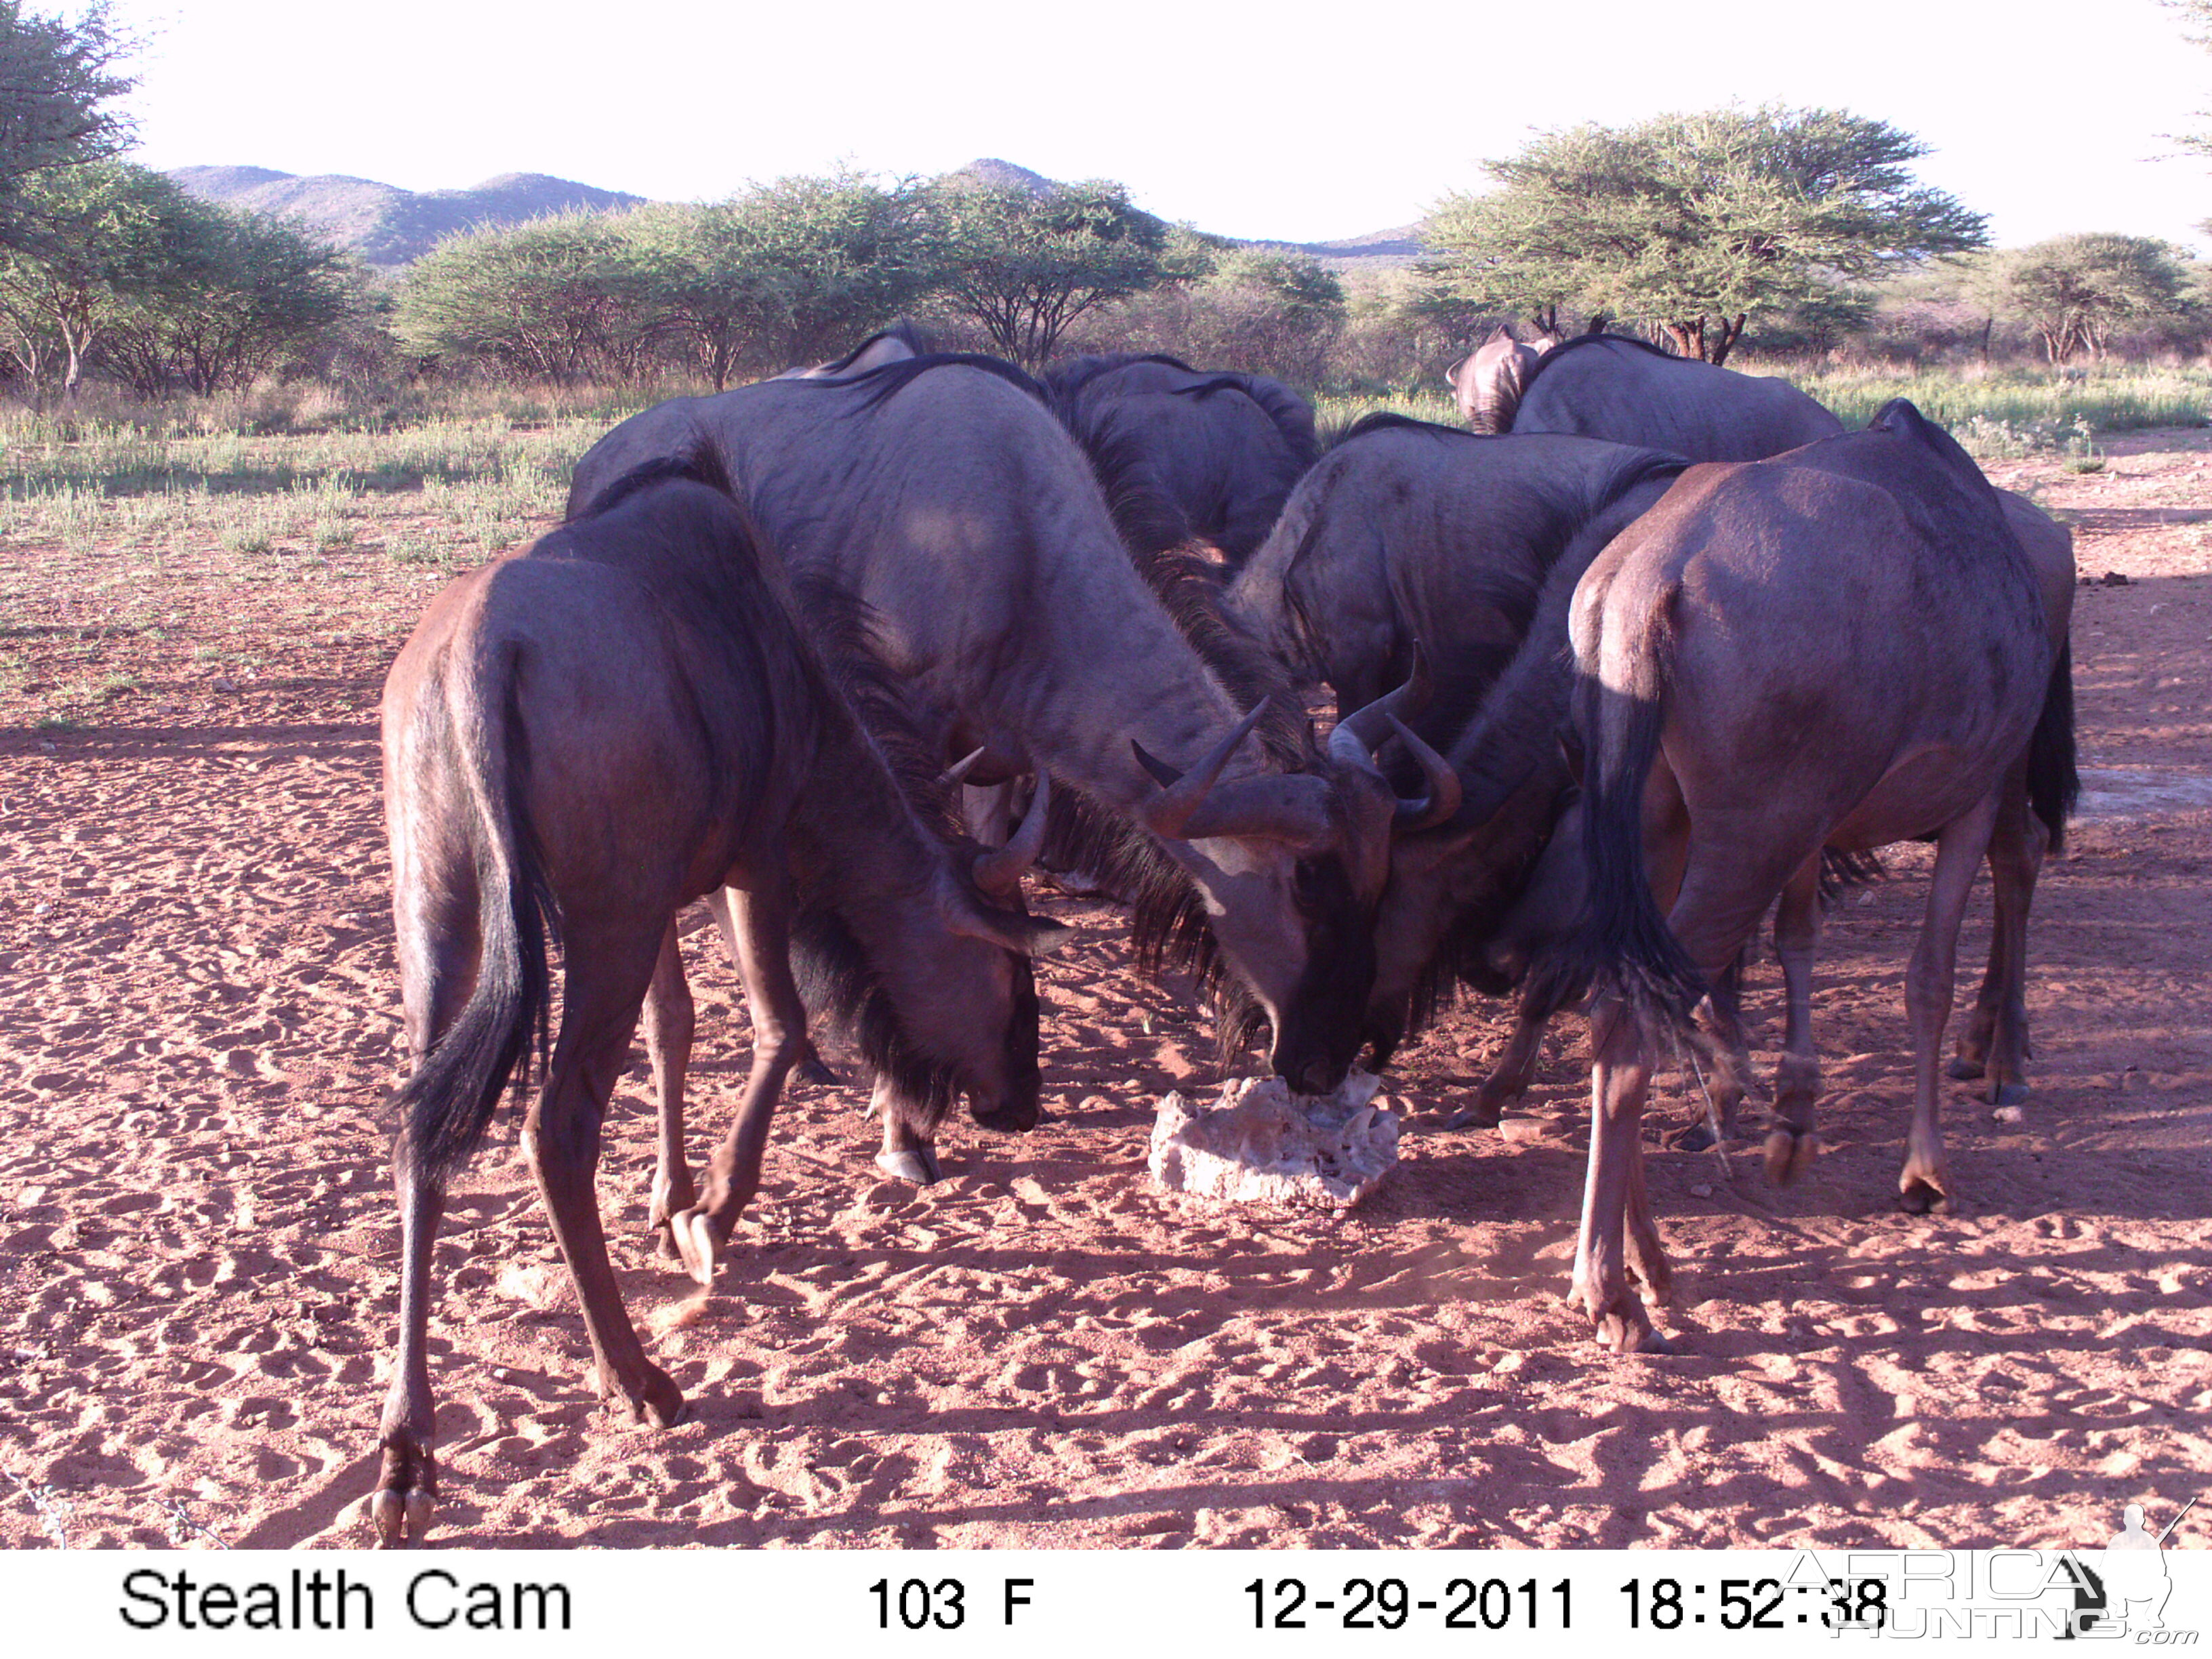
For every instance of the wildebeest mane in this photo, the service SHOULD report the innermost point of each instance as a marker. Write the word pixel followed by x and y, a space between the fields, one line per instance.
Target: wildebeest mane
pixel 1069 377
pixel 1581 341
pixel 1188 586
pixel 903 330
pixel 1389 420
pixel 1167 924
pixel 699 465
pixel 882 384
pixel 837 982
pixel 1289 415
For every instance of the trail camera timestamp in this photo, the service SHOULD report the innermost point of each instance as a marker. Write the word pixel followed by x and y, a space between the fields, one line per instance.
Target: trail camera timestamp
pixel 1756 1604
pixel 1491 1604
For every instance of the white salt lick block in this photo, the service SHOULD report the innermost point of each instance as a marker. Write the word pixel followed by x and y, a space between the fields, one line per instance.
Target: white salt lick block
pixel 1260 1144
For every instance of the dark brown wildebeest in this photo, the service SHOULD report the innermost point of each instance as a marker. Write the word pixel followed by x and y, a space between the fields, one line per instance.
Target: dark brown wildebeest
pixel 1840 648
pixel 943 495
pixel 1225 449
pixel 579 740
pixel 1627 392
pixel 1406 531
pixel 1475 899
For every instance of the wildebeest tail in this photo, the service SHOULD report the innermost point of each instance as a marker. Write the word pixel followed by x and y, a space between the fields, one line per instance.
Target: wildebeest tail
pixel 2053 784
pixel 446 1107
pixel 1623 945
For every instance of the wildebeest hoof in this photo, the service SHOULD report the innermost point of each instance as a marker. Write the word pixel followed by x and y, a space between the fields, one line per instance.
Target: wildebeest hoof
pixel 1626 1330
pixel 2008 1094
pixel 1697 1138
pixel 1482 1114
pixel 1917 1196
pixel 813 1070
pixel 399 1507
pixel 917 1166
pixel 659 1402
pixel 1789 1154
pixel 694 1241
pixel 1963 1069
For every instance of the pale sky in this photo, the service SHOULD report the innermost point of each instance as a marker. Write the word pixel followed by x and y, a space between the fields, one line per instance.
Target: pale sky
pixel 1252 120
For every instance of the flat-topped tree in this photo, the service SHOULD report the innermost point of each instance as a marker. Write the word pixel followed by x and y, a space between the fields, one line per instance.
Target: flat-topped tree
pixel 1696 224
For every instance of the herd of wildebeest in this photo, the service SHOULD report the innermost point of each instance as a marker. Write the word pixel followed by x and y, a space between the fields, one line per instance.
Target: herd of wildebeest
pixel 1654 649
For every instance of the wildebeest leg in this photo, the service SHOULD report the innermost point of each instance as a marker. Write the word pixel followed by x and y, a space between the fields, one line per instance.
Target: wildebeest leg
pixel 760 926
pixel 1619 1082
pixel 907 1154
pixel 1510 1079
pixel 606 984
pixel 407 1483
pixel 1793 1145
pixel 1994 1043
pixel 1924 1183
pixel 670 1022
pixel 436 974
pixel 1647 1255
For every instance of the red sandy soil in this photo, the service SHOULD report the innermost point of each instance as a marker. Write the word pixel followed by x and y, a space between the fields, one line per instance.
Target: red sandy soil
pixel 198 1032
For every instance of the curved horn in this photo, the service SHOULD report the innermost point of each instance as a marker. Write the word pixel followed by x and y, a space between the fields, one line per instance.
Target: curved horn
pixel 1444 789
pixel 1360 734
pixel 1181 792
pixel 999 871
pixel 960 769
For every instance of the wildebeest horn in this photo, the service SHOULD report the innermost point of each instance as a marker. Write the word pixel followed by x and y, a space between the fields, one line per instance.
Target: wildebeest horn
pixel 1168 812
pixel 999 871
pixel 960 769
pixel 1358 735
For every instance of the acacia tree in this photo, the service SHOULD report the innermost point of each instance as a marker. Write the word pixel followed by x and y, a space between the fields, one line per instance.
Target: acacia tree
pixel 790 273
pixel 557 299
pixel 57 79
pixel 1025 264
pixel 1695 224
pixel 223 297
pixel 102 243
pixel 2074 290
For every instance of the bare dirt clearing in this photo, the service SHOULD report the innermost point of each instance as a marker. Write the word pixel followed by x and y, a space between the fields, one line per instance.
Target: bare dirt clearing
pixel 198 1025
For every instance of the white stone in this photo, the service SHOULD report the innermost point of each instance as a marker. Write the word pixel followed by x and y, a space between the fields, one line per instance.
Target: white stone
pixel 1261 1144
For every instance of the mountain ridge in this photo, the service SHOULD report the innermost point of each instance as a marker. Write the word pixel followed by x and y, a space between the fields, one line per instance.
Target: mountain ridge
pixel 391 228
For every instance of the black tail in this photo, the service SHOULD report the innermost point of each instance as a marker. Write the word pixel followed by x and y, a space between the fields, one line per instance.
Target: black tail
pixel 446 1107
pixel 1623 945
pixel 2053 784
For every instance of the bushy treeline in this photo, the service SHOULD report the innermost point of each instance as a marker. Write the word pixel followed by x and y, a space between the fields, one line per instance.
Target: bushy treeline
pixel 131 280
pixel 796 271
pixel 120 273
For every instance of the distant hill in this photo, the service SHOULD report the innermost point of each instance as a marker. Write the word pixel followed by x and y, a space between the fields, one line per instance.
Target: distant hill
pixel 388 225
pixel 989 173
pixel 391 227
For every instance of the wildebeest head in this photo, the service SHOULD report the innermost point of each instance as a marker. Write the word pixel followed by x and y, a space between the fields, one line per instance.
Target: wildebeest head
pixel 1486 383
pixel 1291 865
pixel 935 984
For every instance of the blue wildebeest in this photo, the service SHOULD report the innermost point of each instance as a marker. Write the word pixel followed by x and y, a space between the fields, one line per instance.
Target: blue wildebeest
pixel 1408 532
pixel 1627 392
pixel 942 494
pixel 1223 448
pixel 1837 648
pixel 578 740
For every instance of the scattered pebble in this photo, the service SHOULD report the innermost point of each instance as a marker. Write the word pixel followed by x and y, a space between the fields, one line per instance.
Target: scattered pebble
pixel 2009 1115
pixel 1701 1190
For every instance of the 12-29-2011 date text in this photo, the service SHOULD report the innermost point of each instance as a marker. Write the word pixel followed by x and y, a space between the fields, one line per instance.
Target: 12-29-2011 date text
pixel 1394 1604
